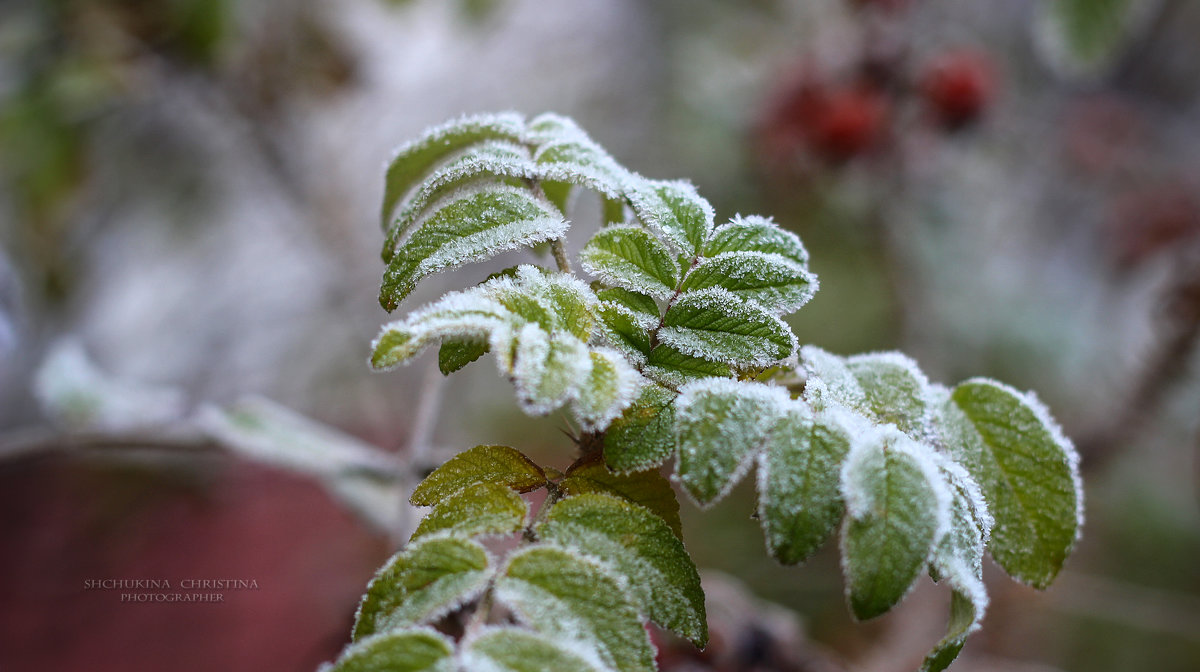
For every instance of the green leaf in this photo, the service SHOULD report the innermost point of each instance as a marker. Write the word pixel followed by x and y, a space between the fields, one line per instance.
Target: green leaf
pixel 470 225
pixel 958 560
pixel 718 326
pixel 894 390
pixel 641 547
pixel 670 366
pixel 642 306
pixel 799 482
pixel 492 159
pixel 549 369
pixel 622 329
pixel 632 258
pixel 772 281
pixel 462 316
pixel 480 509
pixel 567 155
pixel 964 619
pixel 897 510
pixel 1028 471
pixel 429 579
pixel 455 354
pixel 829 380
pixel 646 488
pixel 644 434
pixel 509 649
pixel 572 304
pixel 609 388
pixel 674 210
pixel 757 234
pixel 562 594
pixel 482 464
pixel 410 650
pixel 416 158
pixel 721 425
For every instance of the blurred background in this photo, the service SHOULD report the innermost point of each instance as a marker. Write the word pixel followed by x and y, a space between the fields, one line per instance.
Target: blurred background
pixel 188 208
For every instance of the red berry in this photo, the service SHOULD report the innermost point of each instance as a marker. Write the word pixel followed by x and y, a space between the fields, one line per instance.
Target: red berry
pixel 849 122
pixel 958 86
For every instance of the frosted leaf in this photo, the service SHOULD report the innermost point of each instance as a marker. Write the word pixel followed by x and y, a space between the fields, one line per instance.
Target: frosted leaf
pixel 575 599
pixel 898 509
pixel 432 577
pixel 455 354
pixel 718 326
pixel 643 307
pixel 757 234
pixel 490 160
pixel 670 366
pixel 958 561
pixel 721 425
pixel 895 391
pixel 263 431
pixel 829 380
pixel 572 303
pixel 799 482
pixel 467 315
pixel 1028 472
pixel 644 434
pixel 408 650
pixel 549 369
pixel 482 509
pixel 674 210
pixel 468 225
pixel 414 159
pixel 609 388
pixel 511 649
pixel 641 547
pixel 566 154
pixel 481 464
pixel 622 329
pixel 632 258
pixel 74 392
pixel 647 488
pixel 770 280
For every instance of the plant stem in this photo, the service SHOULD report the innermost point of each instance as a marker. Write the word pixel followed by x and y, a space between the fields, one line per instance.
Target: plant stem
pixel 560 255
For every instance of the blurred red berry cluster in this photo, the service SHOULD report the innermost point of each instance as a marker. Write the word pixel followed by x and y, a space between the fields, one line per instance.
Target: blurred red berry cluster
pixel 836 116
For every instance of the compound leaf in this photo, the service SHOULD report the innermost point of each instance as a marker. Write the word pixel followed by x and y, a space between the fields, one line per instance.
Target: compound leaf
pixel 480 509
pixel 408 650
pixel 641 547
pixel 429 579
pixel 482 464
pixel 1028 471
pixel 799 484
pixel 563 594
pixel 897 509
pixel 717 325
pixel 549 369
pixel 631 258
pixel 721 425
